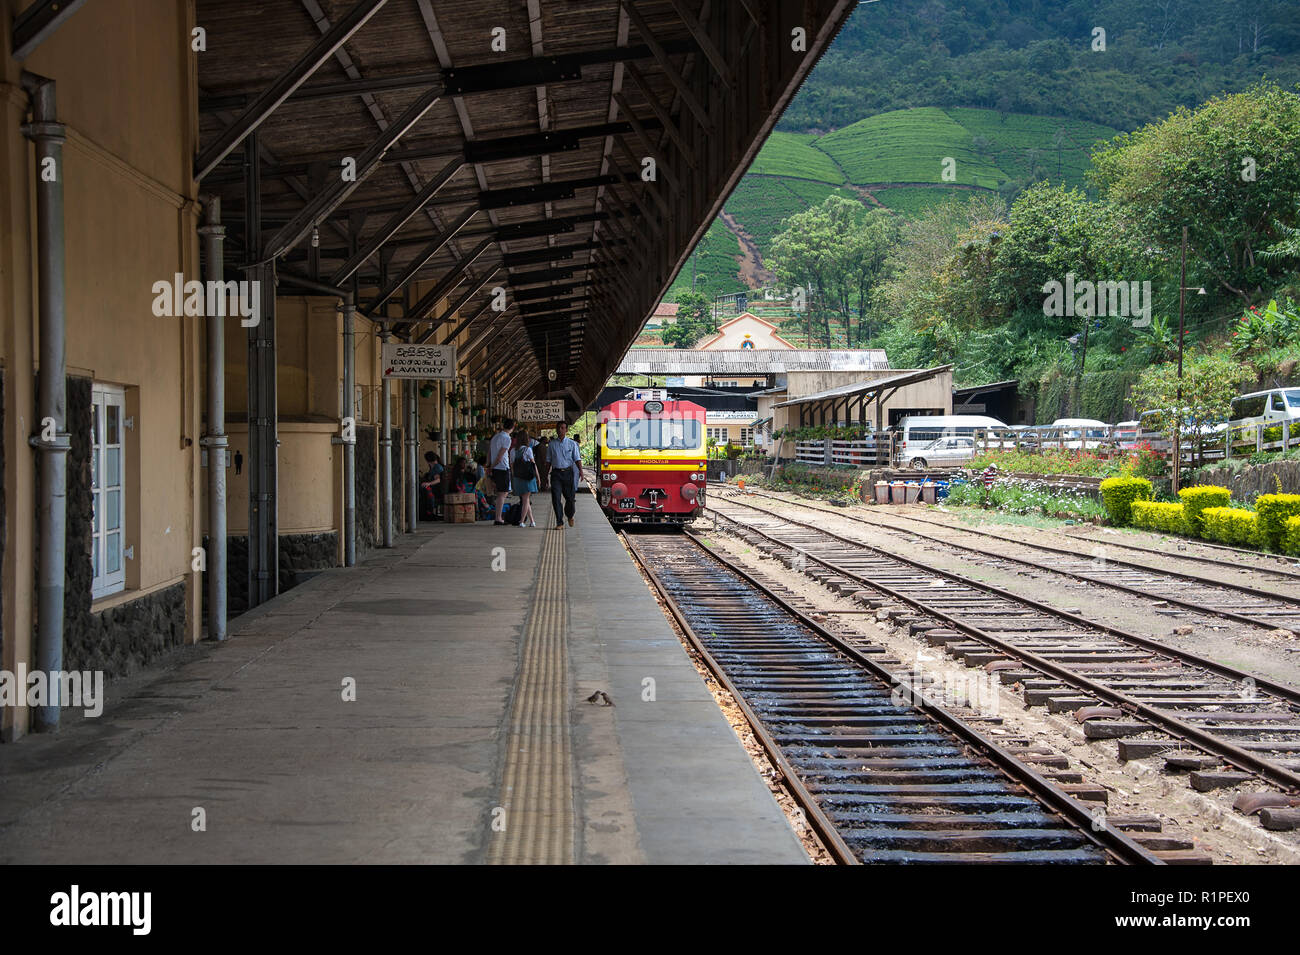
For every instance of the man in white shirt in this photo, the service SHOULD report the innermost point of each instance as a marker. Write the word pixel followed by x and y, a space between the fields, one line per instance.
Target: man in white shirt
pixel 564 462
pixel 499 462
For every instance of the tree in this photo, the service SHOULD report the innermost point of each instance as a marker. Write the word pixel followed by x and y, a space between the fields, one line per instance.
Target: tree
pixel 694 320
pixel 921 297
pixel 1208 385
pixel 1227 171
pixel 1054 231
pixel 813 252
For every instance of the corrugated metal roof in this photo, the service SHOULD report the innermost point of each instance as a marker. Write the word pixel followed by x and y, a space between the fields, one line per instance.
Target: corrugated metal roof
pixel 863 387
pixel 749 361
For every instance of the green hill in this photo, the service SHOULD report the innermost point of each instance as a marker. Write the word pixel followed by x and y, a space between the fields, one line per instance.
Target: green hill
pixel 908 146
pixel 1012 90
pixel 895 160
pixel 795 156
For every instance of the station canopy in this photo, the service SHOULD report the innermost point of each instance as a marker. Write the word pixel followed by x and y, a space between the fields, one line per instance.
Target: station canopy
pixel 839 401
pixel 748 361
pixel 570 152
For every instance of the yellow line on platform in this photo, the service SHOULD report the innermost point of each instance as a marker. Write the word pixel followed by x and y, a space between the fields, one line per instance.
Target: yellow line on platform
pixel 537 784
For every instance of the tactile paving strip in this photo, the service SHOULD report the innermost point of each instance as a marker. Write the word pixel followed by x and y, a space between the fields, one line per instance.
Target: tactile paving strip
pixel 537 784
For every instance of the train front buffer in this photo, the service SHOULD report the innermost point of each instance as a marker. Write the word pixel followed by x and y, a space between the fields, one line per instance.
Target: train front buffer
pixel 673 496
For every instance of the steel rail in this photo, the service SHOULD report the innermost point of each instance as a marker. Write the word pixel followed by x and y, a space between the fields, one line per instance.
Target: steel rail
pixel 1232 565
pixel 825 829
pixel 1120 847
pixel 1233 615
pixel 1230 753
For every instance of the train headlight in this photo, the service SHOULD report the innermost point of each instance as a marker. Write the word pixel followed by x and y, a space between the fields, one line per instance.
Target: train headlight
pixel 618 492
pixel 698 477
pixel 689 492
pixel 609 476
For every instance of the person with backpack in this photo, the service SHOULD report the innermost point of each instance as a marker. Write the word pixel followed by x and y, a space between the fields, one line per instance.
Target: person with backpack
pixel 524 468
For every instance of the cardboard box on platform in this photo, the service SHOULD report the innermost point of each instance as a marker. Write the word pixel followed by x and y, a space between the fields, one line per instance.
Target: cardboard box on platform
pixel 459 508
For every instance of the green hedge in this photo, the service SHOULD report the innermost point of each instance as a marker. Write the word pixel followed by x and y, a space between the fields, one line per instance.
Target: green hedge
pixel 1197 499
pixel 1232 525
pixel 1291 536
pixel 1274 510
pixel 1155 516
pixel 1119 494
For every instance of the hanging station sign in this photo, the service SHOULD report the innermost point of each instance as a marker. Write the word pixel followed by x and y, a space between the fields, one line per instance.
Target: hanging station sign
pixel 419 361
pixel 540 410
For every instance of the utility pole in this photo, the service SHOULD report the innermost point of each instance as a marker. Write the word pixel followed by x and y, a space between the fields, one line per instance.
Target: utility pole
pixel 1178 408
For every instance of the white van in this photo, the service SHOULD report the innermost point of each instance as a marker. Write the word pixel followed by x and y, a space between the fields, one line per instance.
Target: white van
pixel 1265 407
pixel 917 433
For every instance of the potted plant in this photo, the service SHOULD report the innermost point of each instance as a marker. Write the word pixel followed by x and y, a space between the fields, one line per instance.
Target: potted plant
pixel 426 390
pixel 433 434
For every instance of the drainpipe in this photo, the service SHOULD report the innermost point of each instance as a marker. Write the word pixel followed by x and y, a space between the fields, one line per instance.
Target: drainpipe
pixel 412 459
pixel 349 447
pixel 386 453
pixel 51 439
pixel 214 237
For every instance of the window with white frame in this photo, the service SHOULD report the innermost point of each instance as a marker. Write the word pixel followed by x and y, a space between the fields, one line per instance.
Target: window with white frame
pixel 746 437
pixel 108 483
pixel 717 434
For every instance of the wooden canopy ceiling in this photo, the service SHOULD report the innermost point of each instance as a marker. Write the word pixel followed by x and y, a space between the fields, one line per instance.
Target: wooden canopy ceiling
pixel 495 144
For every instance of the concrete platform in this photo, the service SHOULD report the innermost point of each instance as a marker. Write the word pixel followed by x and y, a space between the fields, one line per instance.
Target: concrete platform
pixel 469 739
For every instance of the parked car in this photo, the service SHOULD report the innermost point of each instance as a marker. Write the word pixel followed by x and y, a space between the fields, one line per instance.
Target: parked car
pixel 1128 435
pixel 917 432
pixel 1210 435
pixel 944 452
pixel 1023 437
pixel 1078 434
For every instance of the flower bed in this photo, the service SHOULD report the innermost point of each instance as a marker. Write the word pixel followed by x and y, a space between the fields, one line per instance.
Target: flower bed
pixel 1142 462
pixel 1025 497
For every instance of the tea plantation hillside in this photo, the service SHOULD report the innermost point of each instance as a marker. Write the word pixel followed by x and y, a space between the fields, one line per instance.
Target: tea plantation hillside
pixel 896 160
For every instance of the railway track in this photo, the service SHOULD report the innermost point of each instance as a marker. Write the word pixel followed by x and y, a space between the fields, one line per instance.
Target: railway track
pixel 1259 562
pixel 1152 699
pixel 881 774
pixel 1229 601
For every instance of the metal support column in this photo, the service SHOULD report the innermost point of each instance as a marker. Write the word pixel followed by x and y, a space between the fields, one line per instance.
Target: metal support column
pixel 349 410
pixel 214 441
pixel 412 459
pixel 456 413
pixel 51 438
pixel 386 453
pixel 442 425
pixel 263 438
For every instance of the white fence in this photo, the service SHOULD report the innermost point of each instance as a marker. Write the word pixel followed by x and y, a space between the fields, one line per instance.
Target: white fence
pixel 856 453
pixel 1106 443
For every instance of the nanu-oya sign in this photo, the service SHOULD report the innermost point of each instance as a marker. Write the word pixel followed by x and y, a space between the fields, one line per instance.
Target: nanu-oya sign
pixel 542 410
pixel 419 361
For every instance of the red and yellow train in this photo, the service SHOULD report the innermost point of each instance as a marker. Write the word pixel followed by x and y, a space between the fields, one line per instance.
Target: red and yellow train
pixel 651 464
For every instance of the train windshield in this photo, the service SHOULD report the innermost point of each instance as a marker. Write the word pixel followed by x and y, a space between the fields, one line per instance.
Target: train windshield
pixel 658 434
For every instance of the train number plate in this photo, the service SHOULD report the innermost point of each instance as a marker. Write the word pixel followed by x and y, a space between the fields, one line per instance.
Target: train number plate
pixel 628 502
